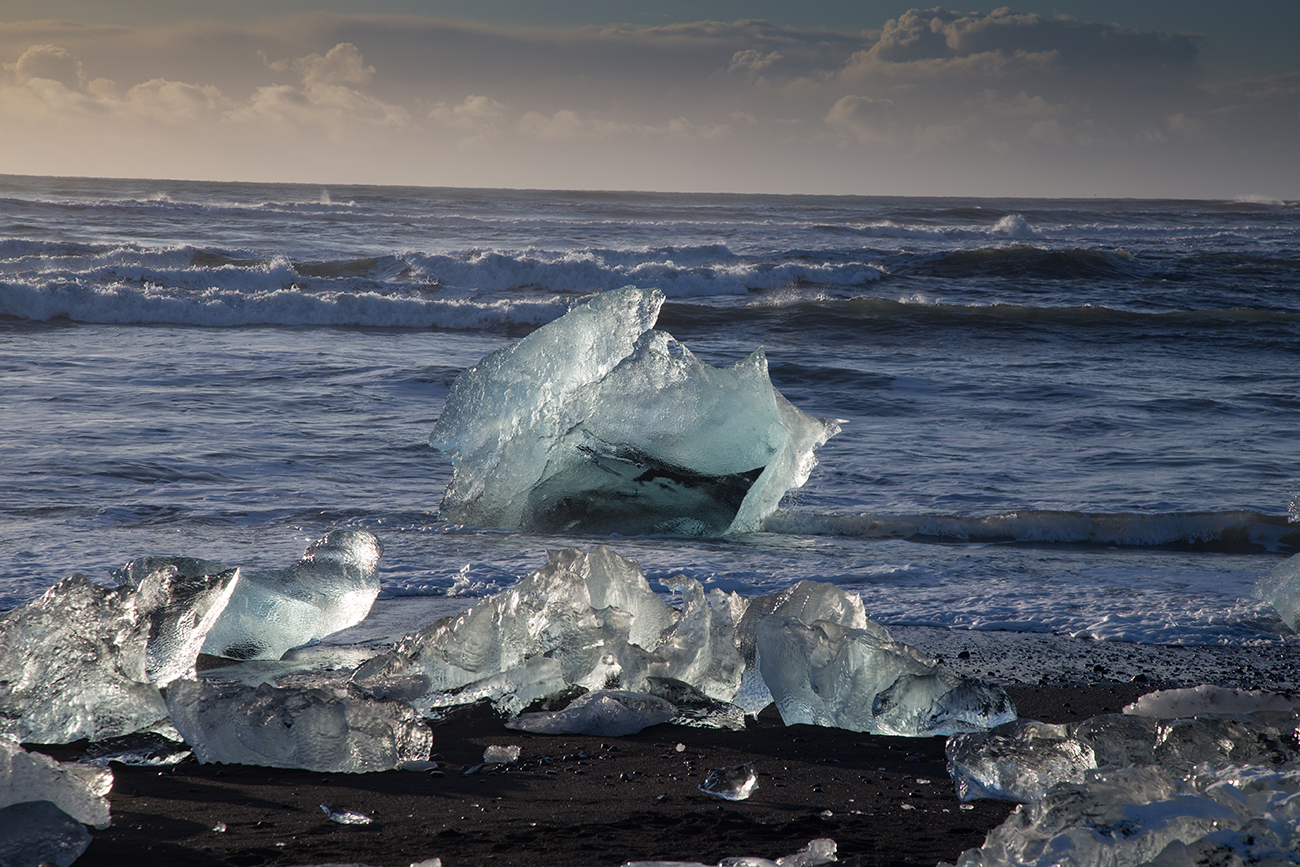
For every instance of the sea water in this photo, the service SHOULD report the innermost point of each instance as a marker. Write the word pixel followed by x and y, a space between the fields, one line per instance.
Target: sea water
pixel 1073 417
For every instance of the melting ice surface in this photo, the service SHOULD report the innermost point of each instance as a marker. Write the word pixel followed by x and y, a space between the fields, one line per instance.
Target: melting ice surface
pixel 1205 775
pixel 596 422
pixel 592 621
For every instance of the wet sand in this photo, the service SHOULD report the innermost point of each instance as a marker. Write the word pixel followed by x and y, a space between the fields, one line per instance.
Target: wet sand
pixel 578 801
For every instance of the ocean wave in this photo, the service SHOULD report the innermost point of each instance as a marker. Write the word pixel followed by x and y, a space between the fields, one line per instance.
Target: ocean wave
pixel 1238 531
pixel 1020 260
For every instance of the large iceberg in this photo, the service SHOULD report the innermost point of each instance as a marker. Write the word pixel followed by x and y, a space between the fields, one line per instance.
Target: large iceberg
pixel 596 422
pixel 85 661
pixel 331 588
pixel 316 729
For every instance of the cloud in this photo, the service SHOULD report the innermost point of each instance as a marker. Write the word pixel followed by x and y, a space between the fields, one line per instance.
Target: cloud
pixel 50 63
pixel 868 120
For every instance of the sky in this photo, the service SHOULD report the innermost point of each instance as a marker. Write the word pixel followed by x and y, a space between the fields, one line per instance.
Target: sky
pixel 1079 98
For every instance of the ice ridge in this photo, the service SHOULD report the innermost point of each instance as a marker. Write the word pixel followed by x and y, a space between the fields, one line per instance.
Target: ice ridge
pixel 596 422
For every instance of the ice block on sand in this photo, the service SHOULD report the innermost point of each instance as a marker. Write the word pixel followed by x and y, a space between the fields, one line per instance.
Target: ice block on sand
pixel 315 729
pixel 1281 589
pixel 831 675
pixel 596 422
pixel 331 588
pixel 85 661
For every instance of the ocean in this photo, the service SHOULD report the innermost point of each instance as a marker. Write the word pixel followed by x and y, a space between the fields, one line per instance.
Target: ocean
pixel 1074 418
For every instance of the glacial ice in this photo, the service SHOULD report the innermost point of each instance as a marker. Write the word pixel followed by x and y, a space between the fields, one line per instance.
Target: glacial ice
pixel 602 713
pixel 74 663
pixel 78 790
pixel 562 628
pixel 828 674
pixel 1147 816
pixel 331 588
pixel 316 729
pixel 735 783
pixel 1281 589
pixel 1024 759
pixel 596 422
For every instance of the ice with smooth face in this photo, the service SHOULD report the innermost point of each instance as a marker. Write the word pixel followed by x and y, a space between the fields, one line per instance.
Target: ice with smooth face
pixel 596 422
pixel 316 729
pixel 332 587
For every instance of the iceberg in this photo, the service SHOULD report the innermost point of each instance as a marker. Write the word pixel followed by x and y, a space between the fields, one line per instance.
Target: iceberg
pixel 828 674
pixel 598 423
pixel 315 729
pixel 1281 589
pixel 331 588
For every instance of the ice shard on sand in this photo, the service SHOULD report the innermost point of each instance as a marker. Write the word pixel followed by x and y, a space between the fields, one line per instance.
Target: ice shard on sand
pixel 597 422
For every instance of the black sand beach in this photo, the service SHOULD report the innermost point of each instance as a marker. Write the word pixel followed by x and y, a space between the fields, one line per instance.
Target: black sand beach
pixel 578 800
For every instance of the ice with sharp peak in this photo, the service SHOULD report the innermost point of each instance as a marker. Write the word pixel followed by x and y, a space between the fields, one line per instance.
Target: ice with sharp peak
pixel 596 422
pixel 828 674
pixel 331 588
pixel 85 661
pixel 315 729
pixel 1281 589
pixel 544 637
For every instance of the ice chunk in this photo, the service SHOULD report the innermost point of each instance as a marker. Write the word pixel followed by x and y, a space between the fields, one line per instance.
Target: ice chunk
pixel 1138 816
pixel 78 790
pixel 1022 760
pixel 73 665
pixel 807 602
pixel 36 833
pixel 315 729
pixel 1281 589
pixel 331 588
pixel 1017 761
pixel 598 423
pixel 831 675
pixel 500 754
pixel 345 817
pixel 618 582
pixel 1174 703
pixel 604 713
pixel 735 783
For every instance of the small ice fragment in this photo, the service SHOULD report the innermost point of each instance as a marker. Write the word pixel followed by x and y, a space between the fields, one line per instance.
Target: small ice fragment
pixel 500 755
pixel 734 783
pixel 418 766
pixel 345 817
pixel 219 828
pixel 141 749
pixel 427 862
pixel 681 748
pixel 817 852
